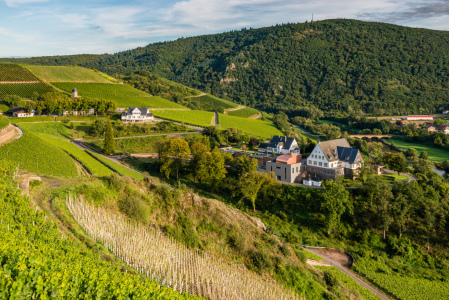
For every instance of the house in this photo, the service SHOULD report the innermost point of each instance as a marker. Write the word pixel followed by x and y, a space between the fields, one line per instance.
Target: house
pixel 444 128
pixel 280 145
pixel 22 113
pixel 286 167
pixel 137 114
pixel 445 112
pixel 414 118
pixel 334 158
pixel 431 128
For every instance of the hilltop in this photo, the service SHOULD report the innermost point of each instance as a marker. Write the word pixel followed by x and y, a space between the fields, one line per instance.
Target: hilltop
pixel 341 66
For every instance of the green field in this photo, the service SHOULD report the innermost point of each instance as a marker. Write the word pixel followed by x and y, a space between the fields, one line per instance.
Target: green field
pixel 435 154
pixel 3 122
pixel 141 101
pixel 36 155
pixel 11 72
pixel 193 117
pixel 24 90
pixel 57 129
pixel 99 89
pixel 244 113
pixel 212 103
pixel 69 74
pixel 259 128
pixel 117 167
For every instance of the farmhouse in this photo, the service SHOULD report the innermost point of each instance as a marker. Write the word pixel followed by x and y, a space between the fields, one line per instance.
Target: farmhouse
pixel 286 167
pixel 280 145
pixel 414 118
pixel 331 159
pixel 22 113
pixel 444 128
pixel 137 114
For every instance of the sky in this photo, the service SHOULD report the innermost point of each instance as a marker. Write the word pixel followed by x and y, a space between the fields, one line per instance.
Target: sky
pixel 61 27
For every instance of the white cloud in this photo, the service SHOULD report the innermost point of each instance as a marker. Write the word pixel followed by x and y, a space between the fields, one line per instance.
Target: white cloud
pixel 18 37
pixel 14 3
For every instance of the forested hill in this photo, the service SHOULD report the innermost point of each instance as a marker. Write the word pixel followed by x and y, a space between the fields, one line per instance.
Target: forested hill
pixel 336 65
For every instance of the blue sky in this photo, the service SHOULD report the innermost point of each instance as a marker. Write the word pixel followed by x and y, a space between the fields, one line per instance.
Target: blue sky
pixel 57 27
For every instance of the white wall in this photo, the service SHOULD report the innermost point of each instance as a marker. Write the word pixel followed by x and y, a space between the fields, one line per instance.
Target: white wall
pixel 317 156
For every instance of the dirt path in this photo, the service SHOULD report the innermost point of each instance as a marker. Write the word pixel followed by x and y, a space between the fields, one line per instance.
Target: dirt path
pixel 234 109
pixel 255 116
pixel 342 262
pixel 200 95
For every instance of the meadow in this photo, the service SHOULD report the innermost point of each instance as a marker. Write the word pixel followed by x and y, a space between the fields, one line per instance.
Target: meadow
pixel 192 117
pixel 124 171
pixel 12 72
pixel 69 74
pixel 244 113
pixel 24 90
pixel 435 154
pixel 258 128
pixel 36 155
pixel 4 122
pixel 99 89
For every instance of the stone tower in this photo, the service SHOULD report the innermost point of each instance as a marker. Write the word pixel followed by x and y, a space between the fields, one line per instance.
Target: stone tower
pixel 74 93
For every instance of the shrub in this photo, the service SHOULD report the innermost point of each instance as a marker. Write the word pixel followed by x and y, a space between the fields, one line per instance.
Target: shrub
pixel 330 278
pixel 285 250
pixel 135 208
pixel 258 260
pixel 237 241
pixel 301 256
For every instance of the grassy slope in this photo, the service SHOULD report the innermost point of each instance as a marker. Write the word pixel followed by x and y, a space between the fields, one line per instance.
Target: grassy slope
pixel 69 74
pixel 117 167
pixel 36 155
pixel 244 113
pixel 209 102
pixel 263 129
pixel 151 101
pixel 3 122
pixel 435 154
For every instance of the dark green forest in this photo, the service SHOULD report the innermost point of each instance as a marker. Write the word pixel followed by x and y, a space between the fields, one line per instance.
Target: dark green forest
pixel 340 66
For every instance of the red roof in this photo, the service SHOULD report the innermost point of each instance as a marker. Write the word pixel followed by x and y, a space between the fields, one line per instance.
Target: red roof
pixel 419 117
pixel 289 159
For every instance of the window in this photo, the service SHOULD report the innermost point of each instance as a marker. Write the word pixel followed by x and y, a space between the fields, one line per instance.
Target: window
pixel 325 164
pixel 320 164
pixel 314 163
pixel 278 167
pixel 293 170
pixel 296 169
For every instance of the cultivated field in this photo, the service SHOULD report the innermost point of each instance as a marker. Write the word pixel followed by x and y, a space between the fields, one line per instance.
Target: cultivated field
pixel 141 101
pixel 259 128
pixel 24 90
pixel 99 89
pixel 244 113
pixel 36 155
pixel 211 103
pixel 193 117
pixel 69 74
pixel 11 72
pixel 435 154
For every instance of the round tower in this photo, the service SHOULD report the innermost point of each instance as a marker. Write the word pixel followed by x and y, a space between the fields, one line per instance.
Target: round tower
pixel 74 93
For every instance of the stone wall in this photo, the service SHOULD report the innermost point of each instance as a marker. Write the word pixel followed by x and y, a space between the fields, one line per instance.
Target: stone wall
pixel 7 133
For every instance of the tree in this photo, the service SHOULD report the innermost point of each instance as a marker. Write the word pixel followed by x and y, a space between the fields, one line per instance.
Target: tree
pixel 175 152
pixel 398 162
pixel 109 142
pixel 159 145
pixel 249 185
pixel 377 131
pixel 400 206
pixel 12 100
pixel 334 202
pixel 411 153
pixel 384 208
pixel 253 142
pixel 375 150
pixel 97 128
pixel 245 164
pixel 424 155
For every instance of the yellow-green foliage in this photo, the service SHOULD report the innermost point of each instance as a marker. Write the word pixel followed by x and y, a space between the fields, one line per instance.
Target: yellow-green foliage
pixel 68 73
pixel 4 122
pixel 124 171
pixel 38 263
pixel 259 128
pixel 194 117
pixel 36 155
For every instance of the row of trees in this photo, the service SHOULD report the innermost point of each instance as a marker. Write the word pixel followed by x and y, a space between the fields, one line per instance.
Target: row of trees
pixel 54 102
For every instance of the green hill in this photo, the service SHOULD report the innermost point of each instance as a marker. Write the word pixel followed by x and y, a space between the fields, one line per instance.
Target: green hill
pixel 13 72
pixel 69 73
pixel 337 65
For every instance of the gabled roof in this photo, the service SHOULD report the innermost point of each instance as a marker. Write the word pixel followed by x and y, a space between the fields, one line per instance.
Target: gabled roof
pixel 329 148
pixel 267 145
pixel 348 155
pixel 286 141
pixel 143 111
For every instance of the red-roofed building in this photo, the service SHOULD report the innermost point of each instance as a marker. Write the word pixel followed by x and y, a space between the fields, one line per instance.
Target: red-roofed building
pixel 286 167
pixel 414 118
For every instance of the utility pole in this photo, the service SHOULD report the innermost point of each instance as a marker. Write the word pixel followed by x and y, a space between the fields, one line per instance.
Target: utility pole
pixel 312 18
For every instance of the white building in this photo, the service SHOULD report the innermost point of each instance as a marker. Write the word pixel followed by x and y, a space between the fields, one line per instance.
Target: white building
pixel 280 145
pixel 414 118
pixel 137 114
pixel 331 159
pixel 23 114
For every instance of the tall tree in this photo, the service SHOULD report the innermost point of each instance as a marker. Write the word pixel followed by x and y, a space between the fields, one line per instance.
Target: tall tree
pixel 249 185
pixel 175 152
pixel 109 142
pixel 334 202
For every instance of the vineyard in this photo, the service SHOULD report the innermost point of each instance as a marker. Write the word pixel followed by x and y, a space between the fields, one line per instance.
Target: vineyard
pixel 69 74
pixel 24 90
pixel 141 101
pixel 193 117
pixel 211 103
pixel 92 165
pixel 244 113
pixel 38 263
pixel 11 72
pixel 4 122
pixel 259 128
pixel 99 89
pixel 124 171
pixel 36 155
pixel 170 263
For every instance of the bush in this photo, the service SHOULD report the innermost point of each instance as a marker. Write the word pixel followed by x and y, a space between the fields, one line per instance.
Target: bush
pixel 117 182
pixel 259 260
pixel 237 241
pixel 330 278
pixel 301 256
pixel 135 208
pixel 285 250
pixel 292 238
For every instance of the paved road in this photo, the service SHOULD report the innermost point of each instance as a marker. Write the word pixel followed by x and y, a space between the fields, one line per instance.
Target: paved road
pixel 410 177
pixel 305 131
pixel 348 272
pixel 144 136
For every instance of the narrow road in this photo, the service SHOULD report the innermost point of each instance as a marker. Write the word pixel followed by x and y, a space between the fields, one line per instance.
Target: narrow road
pixel 144 136
pixel 348 272
pixel 410 177
pixel 305 131
pixel 216 119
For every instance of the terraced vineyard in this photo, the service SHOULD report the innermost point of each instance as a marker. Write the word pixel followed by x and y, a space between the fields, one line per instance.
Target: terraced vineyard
pixel 244 113
pixel 193 117
pixel 12 72
pixel 141 101
pixel 117 167
pixel 99 89
pixel 259 128
pixel 39 263
pixel 212 103
pixel 69 74
pixel 36 155
pixel 24 90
